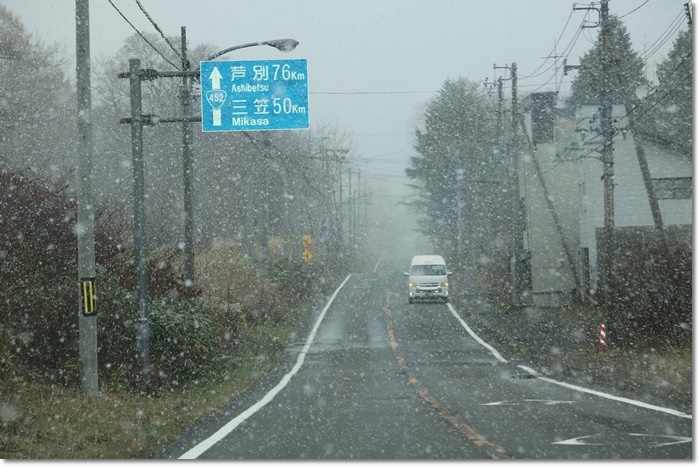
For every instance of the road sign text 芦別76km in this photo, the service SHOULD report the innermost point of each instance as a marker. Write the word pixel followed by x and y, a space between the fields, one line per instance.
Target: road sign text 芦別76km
pixel 248 95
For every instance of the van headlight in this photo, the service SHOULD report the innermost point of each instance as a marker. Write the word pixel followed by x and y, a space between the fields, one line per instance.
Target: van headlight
pixel 446 284
pixel 410 284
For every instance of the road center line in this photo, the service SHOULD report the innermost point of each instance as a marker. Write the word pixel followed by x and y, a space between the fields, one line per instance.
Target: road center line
pixel 199 449
pixel 492 450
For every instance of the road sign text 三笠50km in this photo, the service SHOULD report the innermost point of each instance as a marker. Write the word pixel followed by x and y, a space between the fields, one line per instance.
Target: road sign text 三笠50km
pixel 248 95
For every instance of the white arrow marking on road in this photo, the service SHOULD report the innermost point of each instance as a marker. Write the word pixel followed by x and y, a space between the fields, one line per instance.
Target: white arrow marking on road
pixel 651 443
pixel 676 439
pixel 578 442
pixel 542 401
pixel 215 78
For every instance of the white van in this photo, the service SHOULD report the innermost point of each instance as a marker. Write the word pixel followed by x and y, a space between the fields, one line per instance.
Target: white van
pixel 427 279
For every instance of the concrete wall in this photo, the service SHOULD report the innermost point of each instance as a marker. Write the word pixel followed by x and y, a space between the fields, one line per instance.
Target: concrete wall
pixel 553 278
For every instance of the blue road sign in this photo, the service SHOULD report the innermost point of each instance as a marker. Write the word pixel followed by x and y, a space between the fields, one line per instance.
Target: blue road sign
pixel 249 95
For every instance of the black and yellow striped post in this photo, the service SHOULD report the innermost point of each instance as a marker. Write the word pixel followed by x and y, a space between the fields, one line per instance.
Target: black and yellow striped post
pixel 87 296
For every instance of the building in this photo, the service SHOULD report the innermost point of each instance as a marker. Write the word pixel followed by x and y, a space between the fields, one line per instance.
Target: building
pixel 560 174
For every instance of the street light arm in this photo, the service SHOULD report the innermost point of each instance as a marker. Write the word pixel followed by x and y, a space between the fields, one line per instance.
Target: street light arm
pixel 283 45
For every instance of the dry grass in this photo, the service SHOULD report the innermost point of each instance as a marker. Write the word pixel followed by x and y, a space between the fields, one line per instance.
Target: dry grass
pixel 38 421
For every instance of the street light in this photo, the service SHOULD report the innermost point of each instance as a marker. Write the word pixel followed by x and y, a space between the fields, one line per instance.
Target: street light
pixel 283 45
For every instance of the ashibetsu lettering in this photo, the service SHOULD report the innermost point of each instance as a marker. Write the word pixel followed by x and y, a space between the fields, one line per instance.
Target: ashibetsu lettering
pixel 250 95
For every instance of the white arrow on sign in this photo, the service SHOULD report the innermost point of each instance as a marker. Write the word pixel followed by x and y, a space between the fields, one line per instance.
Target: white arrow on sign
pixel 215 78
pixel 653 441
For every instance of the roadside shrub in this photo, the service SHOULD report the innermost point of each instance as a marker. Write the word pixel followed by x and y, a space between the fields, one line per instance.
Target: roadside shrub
pixel 259 293
pixel 38 264
pixel 652 291
pixel 183 342
pixel 39 306
pixel 228 318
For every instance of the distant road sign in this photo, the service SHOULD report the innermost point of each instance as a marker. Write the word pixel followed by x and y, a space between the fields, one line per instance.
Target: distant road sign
pixel 249 95
pixel 307 256
pixel 306 241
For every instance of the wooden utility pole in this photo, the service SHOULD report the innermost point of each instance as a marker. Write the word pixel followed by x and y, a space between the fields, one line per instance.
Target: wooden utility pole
pixel 139 196
pixel 605 267
pixel 187 169
pixel 516 273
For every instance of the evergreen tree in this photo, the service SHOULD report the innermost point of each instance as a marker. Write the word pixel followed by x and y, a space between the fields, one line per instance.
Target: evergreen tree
pixel 455 154
pixel 667 114
pixel 586 87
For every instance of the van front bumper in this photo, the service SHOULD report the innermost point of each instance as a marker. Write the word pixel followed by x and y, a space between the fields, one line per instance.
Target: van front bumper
pixel 428 293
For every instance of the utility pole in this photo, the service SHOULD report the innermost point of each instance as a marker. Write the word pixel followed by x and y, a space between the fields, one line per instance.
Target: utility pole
pixel 139 214
pixel 86 216
pixel 499 115
pixel 358 205
pixel 351 222
pixel 188 250
pixel 608 172
pixel 516 268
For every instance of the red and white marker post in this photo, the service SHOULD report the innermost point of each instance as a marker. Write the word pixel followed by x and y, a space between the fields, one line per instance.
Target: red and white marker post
pixel 602 337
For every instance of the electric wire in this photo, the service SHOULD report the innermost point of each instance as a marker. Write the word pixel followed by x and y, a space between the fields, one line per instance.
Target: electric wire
pixel 649 109
pixel 627 14
pixel 141 35
pixel 565 54
pixel 667 35
pixel 681 82
pixel 167 41
pixel 282 160
pixel 553 48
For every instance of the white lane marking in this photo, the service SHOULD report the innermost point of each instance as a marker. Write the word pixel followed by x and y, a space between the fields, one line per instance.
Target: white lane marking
pixel 643 405
pixel 199 449
pixel 653 441
pixel 567 385
pixel 473 334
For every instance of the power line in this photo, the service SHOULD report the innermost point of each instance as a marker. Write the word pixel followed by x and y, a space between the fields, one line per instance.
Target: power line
pixel 177 52
pixel 553 48
pixel 681 82
pixel 627 14
pixel 565 54
pixel 653 106
pixel 141 35
pixel 665 36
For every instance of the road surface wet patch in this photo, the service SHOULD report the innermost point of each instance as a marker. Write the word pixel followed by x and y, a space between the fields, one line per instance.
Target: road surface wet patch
pixel 491 449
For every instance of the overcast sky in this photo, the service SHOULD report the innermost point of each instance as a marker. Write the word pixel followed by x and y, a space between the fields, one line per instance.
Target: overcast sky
pixel 373 64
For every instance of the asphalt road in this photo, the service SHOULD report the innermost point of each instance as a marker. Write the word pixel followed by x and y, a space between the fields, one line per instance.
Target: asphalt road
pixel 373 377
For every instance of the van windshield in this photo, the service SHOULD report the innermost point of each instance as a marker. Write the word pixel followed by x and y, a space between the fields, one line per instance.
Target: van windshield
pixel 428 270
